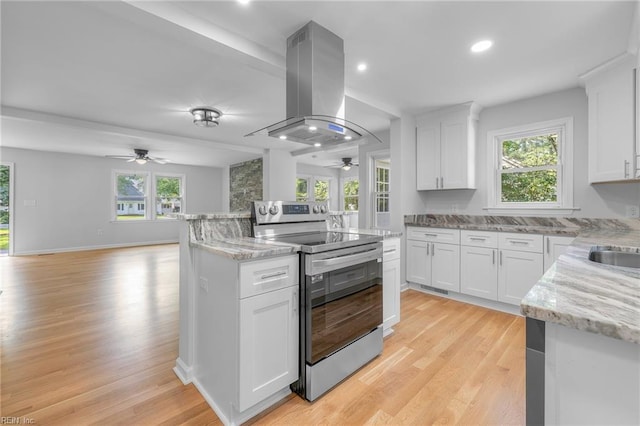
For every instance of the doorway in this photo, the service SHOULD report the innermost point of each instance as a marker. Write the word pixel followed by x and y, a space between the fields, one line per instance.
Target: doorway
pixel 6 210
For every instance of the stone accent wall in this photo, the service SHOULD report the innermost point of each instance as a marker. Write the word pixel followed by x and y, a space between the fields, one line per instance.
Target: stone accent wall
pixel 245 184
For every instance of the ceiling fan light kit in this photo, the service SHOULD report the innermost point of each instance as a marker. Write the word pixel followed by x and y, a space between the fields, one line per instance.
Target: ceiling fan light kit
pixel 205 116
pixel 140 157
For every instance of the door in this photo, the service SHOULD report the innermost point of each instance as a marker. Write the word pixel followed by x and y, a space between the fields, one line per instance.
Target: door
pixel 6 216
pixel 268 346
pixel 418 262
pixel 479 272
pixel 445 266
pixel 518 272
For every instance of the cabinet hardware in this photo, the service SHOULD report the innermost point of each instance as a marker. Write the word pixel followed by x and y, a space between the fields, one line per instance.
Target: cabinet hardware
pixel 477 239
pixel 428 249
pixel 389 251
pixel 500 257
pixel 524 243
pixel 493 257
pixel 431 235
pixel 437 182
pixel 441 182
pixel 433 250
pixel 548 243
pixel 295 302
pixel 277 274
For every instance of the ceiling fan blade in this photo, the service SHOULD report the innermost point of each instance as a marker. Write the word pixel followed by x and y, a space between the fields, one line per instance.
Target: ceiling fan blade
pixel 159 160
pixel 120 157
pixel 131 160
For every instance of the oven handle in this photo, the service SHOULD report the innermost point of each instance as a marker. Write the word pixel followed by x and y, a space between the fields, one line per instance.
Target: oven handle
pixel 349 259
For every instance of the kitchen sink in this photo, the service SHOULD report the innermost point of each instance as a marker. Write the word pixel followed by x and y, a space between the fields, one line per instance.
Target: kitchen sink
pixel 615 257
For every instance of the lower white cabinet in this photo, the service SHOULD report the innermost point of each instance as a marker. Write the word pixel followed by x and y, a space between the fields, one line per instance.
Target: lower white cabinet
pixel 518 271
pixel 246 340
pixel 479 272
pixel 390 283
pixel 431 262
pixel 268 345
pixel 554 246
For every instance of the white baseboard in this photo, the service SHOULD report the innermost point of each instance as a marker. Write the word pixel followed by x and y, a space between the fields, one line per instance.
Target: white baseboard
pixel 234 418
pixel 96 247
pixel 183 372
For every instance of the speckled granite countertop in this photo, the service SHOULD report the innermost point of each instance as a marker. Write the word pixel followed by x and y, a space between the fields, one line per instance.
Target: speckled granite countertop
pixel 590 296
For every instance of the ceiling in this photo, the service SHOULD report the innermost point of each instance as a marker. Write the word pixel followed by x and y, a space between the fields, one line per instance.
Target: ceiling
pixel 102 78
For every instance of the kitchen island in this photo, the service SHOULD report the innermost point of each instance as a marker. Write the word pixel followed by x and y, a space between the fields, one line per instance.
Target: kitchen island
pixel 583 337
pixel 238 313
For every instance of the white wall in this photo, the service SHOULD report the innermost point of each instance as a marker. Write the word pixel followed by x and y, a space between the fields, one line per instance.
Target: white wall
pixel 279 175
pixel 602 200
pixel 72 195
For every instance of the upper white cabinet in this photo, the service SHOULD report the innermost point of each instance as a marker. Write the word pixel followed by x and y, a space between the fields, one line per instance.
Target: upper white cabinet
pixel 445 148
pixel 611 92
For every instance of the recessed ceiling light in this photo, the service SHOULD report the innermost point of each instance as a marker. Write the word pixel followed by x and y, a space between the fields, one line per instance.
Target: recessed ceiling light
pixel 481 46
pixel 362 67
pixel 313 128
pixel 347 138
pixel 244 1
pixel 283 137
pixel 317 144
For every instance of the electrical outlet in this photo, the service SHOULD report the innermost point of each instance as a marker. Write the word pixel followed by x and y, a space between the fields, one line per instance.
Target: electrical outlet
pixel 204 284
pixel 633 211
pixel 99 232
pixel 454 208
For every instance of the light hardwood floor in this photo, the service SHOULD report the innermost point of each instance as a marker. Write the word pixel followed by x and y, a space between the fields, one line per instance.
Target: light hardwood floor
pixel 91 338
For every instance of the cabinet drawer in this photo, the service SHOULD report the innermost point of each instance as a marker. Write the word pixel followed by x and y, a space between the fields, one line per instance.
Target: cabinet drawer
pixel 261 276
pixel 391 249
pixel 436 235
pixel 520 242
pixel 479 239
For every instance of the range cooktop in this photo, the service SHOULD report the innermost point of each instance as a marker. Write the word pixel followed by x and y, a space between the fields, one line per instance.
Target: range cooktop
pixel 314 242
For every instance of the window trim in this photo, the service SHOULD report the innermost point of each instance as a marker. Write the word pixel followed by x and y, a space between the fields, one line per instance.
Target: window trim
pixel 564 204
pixel 149 197
pixel 372 157
pixel 311 185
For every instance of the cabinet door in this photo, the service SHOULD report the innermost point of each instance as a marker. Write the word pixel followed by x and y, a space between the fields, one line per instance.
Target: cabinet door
pixel 428 156
pixel 479 272
pixel 390 293
pixel 453 153
pixel 268 345
pixel 418 262
pixel 611 125
pixel 445 266
pixel 518 271
pixel 554 246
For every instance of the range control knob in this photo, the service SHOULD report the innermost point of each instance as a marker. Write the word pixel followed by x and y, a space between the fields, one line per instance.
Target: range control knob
pixel 323 209
pixel 262 210
pixel 316 209
pixel 274 209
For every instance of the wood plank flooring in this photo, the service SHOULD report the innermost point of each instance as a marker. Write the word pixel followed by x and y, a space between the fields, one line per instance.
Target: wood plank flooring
pixel 91 338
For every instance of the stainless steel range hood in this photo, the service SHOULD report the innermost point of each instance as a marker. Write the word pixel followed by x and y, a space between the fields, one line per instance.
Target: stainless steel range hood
pixel 315 91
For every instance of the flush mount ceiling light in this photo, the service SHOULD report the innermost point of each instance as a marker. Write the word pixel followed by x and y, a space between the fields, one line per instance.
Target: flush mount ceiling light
pixel 205 116
pixel 481 46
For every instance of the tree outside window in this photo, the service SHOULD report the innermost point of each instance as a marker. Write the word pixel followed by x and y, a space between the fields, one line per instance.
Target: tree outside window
pixel 168 196
pixel 302 189
pixel 321 190
pixel 350 190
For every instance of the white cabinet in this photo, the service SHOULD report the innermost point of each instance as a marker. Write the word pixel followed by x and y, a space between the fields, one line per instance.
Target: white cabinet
pixel 445 148
pixel 390 283
pixel 520 265
pixel 612 120
pixel 247 332
pixel 479 264
pixel 268 345
pixel 433 257
pixel 554 246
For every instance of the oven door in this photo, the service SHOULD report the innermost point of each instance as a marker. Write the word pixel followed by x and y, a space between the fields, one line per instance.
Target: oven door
pixel 341 304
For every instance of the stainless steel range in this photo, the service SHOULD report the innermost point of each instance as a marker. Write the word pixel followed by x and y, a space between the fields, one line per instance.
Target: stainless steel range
pixel 340 288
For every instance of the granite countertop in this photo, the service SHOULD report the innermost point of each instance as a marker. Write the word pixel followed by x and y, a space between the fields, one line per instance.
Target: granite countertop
pixel 209 216
pixel 384 233
pixel 501 227
pixel 246 248
pixel 590 296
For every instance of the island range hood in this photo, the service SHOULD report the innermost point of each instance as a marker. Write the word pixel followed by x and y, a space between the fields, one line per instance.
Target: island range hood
pixel 315 91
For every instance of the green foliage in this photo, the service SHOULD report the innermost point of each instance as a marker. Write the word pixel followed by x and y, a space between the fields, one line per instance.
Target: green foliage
pixel 4 195
pixel 138 182
pixel 301 190
pixel 168 187
pixel 351 189
pixel 526 186
pixel 321 190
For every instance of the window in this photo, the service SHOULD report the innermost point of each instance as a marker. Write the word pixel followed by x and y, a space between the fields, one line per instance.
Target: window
pixel 350 190
pixel 382 169
pixel 532 166
pixel 168 195
pixel 133 193
pixel 321 188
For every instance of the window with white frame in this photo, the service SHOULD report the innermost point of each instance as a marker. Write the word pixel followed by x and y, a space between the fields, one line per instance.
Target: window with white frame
pixel 134 192
pixel 350 189
pixel 321 188
pixel 532 166
pixel 381 208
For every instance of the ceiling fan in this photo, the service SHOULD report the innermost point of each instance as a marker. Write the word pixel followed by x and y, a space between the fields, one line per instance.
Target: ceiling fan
pixel 140 157
pixel 346 164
